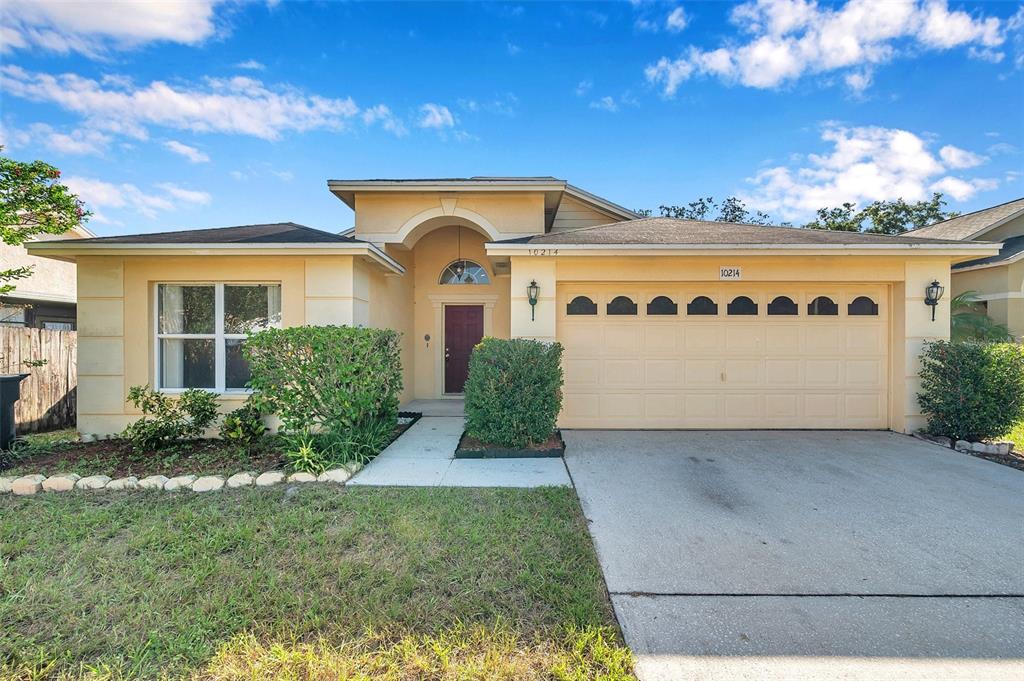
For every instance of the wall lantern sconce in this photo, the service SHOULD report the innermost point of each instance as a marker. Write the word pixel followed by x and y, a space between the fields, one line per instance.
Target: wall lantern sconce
pixel 932 296
pixel 532 291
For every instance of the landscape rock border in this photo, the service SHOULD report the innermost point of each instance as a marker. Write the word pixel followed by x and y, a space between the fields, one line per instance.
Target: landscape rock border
pixel 28 485
pixel 1000 448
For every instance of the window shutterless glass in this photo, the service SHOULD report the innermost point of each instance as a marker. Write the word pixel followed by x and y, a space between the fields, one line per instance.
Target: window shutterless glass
pixel 201 328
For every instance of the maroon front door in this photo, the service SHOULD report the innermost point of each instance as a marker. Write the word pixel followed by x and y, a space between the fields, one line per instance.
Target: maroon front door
pixel 463 329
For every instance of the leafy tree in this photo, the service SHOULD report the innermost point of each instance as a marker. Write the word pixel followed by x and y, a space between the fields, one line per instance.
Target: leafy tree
pixel 883 217
pixel 33 201
pixel 732 209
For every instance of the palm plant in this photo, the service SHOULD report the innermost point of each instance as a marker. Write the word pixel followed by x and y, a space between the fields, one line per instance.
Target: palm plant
pixel 968 321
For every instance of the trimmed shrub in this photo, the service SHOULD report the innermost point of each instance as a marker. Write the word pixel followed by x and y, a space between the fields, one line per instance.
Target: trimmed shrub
pixel 333 387
pixel 243 425
pixel 514 391
pixel 970 390
pixel 168 418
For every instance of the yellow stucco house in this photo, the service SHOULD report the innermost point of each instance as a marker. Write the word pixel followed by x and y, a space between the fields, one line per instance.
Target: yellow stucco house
pixel 666 323
pixel 997 280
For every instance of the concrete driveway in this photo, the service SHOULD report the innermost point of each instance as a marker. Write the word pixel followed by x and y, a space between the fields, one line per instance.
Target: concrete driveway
pixel 806 554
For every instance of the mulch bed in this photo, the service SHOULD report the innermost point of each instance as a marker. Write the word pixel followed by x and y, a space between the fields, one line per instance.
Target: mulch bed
pixel 117 459
pixel 471 448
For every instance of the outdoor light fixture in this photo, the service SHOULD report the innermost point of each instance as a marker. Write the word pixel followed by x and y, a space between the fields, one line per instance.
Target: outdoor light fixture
pixel 532 291
pixel 932 296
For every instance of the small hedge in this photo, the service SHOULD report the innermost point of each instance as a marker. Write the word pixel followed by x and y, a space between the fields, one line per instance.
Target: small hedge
pixel 336 387
pixel 972 390
pixel 514 391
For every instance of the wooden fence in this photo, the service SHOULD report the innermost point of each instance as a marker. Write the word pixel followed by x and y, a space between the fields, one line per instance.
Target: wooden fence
pixel 48 395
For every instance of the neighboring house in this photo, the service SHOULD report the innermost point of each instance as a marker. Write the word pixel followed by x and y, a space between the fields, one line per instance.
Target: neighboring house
pixel 998 280
pixel 666 323
pixel 45 300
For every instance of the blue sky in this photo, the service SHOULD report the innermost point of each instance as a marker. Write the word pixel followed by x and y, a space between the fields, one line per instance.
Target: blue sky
pixel 214 113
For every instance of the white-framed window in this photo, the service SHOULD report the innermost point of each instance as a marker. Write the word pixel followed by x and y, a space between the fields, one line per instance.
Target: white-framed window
pixel 200 329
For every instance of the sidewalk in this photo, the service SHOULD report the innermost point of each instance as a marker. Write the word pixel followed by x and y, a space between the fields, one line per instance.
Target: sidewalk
pixel 422 457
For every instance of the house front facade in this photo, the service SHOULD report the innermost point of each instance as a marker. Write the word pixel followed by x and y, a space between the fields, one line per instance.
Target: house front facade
pixel 997 281
pixel 665 323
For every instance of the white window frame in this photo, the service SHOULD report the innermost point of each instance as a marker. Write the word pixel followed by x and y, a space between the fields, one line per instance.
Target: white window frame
pixel 218 336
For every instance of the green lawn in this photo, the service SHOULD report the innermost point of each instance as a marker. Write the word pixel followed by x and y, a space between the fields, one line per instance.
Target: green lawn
pixel 321 582
pixel 1017 437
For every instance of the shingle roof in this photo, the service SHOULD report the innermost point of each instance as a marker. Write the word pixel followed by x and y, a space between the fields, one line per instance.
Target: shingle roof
pixel 965 226
pixel 1011 247
pixel 653 231
pixel 274 233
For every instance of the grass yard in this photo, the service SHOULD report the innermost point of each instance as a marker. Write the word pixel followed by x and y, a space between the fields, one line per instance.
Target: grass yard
pixel 315 582
pixel 1017 437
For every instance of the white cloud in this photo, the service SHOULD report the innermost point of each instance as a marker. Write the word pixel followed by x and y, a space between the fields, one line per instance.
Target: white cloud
pixel 862 164
pixel 961 189
pixel 250 65
pixel 955 157
pixel 383 115
pixel 859 81
pixel 191 153
pixel 787 39
pixel 80 141
pixel 583 87
pixel 676 20
pixel 436 116
pixel 605 104
pixel 92 27
pixel 512 49
pixel 185 195
pixel 100 196
pixel 236 105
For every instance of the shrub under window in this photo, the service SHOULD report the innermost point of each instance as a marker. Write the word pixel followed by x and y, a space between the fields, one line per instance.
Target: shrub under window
pixel 514 391
pixel 337 386
pixel 971 390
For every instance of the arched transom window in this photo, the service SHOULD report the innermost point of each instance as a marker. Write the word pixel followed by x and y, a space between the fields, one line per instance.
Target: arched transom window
pixel 464 272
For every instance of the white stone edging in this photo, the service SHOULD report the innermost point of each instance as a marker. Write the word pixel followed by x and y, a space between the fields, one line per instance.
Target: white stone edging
pixel 28 485
pixel 1002 448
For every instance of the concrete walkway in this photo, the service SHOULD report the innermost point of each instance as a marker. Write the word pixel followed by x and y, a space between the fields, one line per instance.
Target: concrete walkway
pixel 422 457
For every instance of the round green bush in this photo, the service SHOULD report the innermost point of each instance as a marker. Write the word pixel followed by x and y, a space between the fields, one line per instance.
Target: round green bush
pixel 514 391
pixel 972 390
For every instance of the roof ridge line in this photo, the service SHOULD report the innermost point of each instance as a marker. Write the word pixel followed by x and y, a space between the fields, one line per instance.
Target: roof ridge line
pixel 964 215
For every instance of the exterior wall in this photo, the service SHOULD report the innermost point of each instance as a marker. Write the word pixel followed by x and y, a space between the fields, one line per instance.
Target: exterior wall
pixel 51 290
pixel 382 217
pixel 1014 227
pixel 116 316
pixel 392 308
pixel 573 214
pixel 430 256
pixel 910 324
pixel 1002 289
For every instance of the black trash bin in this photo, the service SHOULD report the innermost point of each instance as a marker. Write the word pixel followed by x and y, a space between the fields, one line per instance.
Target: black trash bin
pixel 10 391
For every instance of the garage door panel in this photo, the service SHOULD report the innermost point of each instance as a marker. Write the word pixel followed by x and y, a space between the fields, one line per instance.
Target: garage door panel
pixel 581 373
pixel 662 339
pixel 702 372
pixel 623 373
pixel 663 372
pixel 621 338
pixel 724 371
pixel 779 372
pixel 743 372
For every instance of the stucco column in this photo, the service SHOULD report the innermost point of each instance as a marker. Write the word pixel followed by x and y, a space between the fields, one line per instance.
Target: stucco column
pixel 915 318
pixel 335 292
pixel 542 324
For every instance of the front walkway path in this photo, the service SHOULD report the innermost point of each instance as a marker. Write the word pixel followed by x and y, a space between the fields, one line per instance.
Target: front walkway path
pixel 422 457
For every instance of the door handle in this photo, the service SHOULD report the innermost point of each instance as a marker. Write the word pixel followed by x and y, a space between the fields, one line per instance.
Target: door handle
pixel 447 355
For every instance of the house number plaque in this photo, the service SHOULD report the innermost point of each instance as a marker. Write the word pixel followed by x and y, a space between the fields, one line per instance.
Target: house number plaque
pixel 727 273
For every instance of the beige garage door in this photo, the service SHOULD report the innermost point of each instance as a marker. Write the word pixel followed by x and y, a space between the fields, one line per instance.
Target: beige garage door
pixel 724 356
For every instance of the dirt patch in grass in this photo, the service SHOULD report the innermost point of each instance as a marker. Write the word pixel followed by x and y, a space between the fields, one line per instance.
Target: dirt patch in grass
pixel 313 582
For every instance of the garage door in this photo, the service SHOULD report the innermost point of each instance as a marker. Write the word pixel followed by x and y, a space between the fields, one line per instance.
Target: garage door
pixel 724 356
